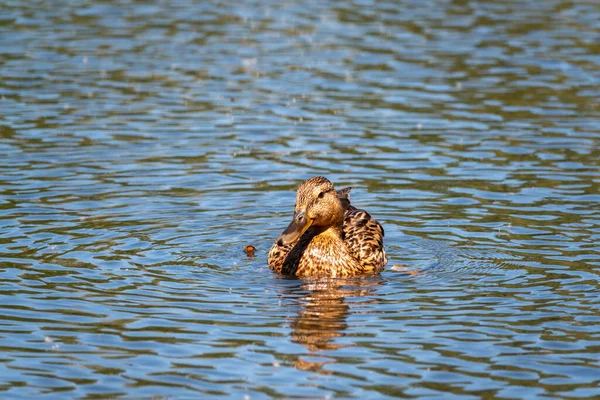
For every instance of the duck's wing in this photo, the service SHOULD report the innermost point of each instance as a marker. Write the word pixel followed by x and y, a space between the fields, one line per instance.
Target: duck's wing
pixel 277 256
pixel 364 237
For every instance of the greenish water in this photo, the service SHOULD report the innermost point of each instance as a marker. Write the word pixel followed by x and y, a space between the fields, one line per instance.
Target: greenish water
pixel 144 144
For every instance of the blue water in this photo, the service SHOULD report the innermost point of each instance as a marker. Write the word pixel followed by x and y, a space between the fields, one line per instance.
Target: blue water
pixel 145 144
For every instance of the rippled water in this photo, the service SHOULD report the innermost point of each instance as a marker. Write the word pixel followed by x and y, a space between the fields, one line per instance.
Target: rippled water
pixel 145 144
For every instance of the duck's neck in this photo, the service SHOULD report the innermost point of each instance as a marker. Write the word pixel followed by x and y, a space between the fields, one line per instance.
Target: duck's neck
pixel 327 232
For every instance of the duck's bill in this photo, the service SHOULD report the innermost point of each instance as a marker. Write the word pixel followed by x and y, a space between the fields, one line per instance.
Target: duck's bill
pixel 296 228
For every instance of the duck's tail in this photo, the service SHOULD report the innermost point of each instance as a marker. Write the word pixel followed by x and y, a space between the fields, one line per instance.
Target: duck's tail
pixel 344 196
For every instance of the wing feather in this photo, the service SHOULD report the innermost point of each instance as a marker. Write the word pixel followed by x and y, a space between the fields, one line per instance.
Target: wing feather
pixel 364 237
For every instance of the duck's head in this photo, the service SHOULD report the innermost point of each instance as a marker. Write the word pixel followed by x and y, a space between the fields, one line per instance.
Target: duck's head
pixel 317 205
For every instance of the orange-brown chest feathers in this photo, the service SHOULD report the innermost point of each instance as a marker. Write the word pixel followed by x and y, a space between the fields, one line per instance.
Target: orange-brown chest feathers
pixel 316 254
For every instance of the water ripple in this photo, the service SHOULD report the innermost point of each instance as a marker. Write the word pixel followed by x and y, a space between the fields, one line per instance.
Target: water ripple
pixel 145 145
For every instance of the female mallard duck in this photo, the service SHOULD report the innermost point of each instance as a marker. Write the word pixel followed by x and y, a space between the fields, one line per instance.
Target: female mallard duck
pixel 328 237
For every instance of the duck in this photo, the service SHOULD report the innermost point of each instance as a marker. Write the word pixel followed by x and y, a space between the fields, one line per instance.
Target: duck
pixel 328 237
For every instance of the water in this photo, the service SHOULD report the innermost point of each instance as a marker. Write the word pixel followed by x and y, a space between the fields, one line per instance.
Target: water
pixel 146 144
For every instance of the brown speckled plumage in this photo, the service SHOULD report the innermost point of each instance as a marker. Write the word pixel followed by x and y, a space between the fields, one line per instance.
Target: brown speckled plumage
pixel 328 237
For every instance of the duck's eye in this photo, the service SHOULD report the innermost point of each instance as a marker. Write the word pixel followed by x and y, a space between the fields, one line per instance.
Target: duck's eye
pixel 321 195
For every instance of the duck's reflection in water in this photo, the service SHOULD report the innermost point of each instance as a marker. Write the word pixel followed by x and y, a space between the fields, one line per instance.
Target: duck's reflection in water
pixel 324 313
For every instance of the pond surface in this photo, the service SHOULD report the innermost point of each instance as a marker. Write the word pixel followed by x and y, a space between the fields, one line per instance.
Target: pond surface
pixel 144 145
